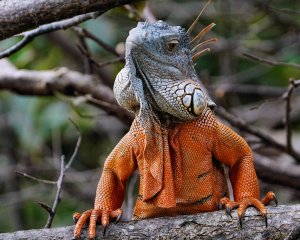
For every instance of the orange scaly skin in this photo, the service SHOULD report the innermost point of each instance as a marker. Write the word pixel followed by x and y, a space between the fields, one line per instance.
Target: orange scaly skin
pixel 201 146
pixel 175 141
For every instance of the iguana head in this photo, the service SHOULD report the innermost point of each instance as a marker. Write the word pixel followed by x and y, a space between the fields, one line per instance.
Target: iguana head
pixel 159 62
pixel 160 47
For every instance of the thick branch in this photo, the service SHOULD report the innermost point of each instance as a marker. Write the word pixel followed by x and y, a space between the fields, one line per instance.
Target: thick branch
pixel 18 16
pixel 283 223
pixel 239 123
pixel 47 28
pixel 65 81
pixel 277 172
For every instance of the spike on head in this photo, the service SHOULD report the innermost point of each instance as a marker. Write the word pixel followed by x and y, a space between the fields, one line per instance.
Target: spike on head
pixel 202 44
pixel 197 18
pixel 201 34
pixel 200 53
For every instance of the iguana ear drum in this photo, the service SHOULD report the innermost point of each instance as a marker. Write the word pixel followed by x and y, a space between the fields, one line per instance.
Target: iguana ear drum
pixel 190 97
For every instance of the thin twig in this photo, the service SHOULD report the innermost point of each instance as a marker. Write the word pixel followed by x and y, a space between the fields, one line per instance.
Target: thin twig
pixel 60 181
pixel 57 198
pixel 46 207
pixel 287 96
pixel 270 62
pixel 30 35
pixel 285 10
pixel 94 61
pixel 86 33
pixel 82 46
pixel 35 178
pixel 109 62
pixel 76 147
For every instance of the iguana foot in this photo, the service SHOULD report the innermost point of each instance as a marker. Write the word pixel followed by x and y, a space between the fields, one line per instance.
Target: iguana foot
pixel 94 216
pixel 248 202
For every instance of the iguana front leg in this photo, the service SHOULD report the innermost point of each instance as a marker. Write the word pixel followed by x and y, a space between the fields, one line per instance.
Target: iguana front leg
pixel 118 167
pixel 233 150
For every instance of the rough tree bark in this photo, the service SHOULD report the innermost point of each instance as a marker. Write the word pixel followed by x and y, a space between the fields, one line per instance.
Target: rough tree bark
pixel 283 223
pixel 17 16
pixel 65 81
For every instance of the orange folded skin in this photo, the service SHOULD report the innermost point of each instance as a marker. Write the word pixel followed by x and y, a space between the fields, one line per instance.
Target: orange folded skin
pixel 193 178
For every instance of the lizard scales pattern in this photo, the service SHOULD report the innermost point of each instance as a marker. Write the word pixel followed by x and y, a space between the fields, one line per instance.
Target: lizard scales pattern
pixel 175 140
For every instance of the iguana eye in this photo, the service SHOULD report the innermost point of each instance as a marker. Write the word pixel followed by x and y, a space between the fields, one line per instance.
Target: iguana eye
pixel 171 45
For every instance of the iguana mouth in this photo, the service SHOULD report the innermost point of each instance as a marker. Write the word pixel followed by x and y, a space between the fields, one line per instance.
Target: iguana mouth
pixel 187 104
pixel 150 90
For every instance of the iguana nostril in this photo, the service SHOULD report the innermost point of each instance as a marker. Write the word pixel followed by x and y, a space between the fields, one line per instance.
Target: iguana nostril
pixel 144 35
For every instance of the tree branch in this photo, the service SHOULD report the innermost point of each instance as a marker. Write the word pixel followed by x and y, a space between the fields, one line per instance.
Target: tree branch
pixel 85 33
pixel 284 10
pixel 277 172
pixel 18 16
pixel 65 81
pixel 287 96
pixel 283 223
pixel 60 181
pixel 35 178
pixel 243 126
pixel 30 35
pixel 270 62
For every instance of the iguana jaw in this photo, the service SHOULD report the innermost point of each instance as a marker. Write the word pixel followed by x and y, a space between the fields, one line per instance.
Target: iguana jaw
pixel 175 94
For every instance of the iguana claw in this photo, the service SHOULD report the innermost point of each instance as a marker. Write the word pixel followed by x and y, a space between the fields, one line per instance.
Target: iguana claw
pixel 241 222
pixel 104 230
pixel 228 211
pixel 243 204
pixel 275 200
pixel 266 220
pixel 76 216
pixel 118 217
pixel 93 216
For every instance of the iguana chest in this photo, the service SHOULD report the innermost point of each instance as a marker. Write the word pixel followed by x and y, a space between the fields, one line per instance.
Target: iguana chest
pixel 202 180
pixel 194 147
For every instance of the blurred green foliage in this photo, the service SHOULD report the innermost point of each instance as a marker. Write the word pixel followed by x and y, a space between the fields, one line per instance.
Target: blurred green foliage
pixel 35 129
